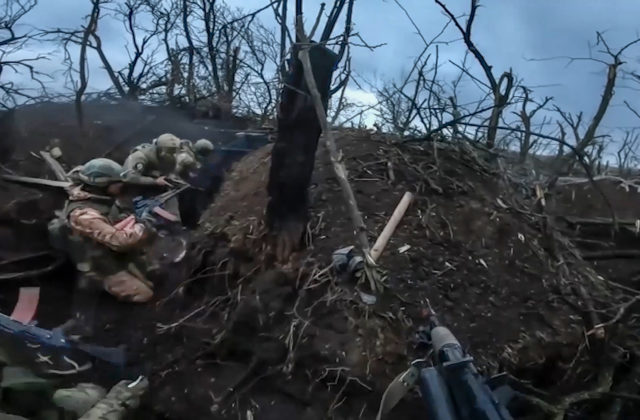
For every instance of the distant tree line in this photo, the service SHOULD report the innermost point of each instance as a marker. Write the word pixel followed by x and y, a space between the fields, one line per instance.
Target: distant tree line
pixel 217 61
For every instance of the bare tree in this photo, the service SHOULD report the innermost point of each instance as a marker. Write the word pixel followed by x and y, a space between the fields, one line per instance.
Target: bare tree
pixel 167 15
pixel 526 142
pixel 197 53
pixel 627 158
pixel 260 89
pixel 89 29
pixel 588 139
pixel 139 76
pixel 12 41
pixel 191 50
pixel 136 78
pixel 401 104
pixel 216 50
pixel 282 17
pixel 563 138
pixel 418 99
pixel 299 128
pixel 500 94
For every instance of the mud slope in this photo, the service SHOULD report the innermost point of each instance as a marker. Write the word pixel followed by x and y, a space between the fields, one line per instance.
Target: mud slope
pixel 303 340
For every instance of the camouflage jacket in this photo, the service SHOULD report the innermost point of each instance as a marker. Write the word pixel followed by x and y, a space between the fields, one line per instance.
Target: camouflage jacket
pixel 142 165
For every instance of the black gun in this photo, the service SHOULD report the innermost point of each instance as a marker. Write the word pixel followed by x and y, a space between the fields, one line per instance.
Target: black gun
pixel 144 208
pixel 452 389
pixel 55 338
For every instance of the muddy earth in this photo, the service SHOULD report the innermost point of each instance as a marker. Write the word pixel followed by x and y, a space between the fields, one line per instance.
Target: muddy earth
pixel 233 334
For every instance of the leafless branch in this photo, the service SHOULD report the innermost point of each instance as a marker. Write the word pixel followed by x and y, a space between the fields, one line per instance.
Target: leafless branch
pixel 636 113
pixel 500 94
pixel 12 40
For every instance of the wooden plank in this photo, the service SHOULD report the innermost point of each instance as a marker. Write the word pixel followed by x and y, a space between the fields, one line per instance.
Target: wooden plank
pixel 391 226
pixel 36 181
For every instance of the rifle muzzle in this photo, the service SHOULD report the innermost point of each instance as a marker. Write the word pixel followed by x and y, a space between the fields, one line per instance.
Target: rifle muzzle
pixel 440 337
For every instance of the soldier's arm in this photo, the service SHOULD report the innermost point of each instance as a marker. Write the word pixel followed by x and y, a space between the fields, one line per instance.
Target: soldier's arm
pixel 134 168
pixel 90 223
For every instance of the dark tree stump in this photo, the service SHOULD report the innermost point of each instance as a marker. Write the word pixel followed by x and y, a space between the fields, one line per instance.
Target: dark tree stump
pixel 293 154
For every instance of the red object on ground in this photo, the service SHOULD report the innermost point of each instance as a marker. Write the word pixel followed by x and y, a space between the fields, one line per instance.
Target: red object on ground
pixel 27 304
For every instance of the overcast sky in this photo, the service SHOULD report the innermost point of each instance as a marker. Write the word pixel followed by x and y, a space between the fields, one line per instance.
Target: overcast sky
pixel 509 32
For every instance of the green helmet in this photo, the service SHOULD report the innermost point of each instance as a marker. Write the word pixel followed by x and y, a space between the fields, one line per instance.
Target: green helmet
pixel 203 147
pixel 167 141
pixel 98 172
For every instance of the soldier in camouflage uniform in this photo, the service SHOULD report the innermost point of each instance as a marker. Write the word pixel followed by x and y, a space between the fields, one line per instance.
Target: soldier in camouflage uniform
pixel 154 163
pixel 121 400
pixel 190 161
pixel 103 250
pixel 191 157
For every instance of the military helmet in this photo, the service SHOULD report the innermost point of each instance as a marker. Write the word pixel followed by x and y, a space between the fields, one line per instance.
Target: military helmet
pixel 98 172
pixel 167 141
pixel 203 147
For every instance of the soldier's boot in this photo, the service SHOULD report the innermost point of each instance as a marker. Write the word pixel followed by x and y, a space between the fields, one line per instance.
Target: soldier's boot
pixel 80 398
pixel 129 285
pixel 121 400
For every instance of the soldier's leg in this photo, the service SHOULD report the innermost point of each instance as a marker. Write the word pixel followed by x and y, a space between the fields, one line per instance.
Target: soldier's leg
pixel 88 287
pixel 126 286
pixel 126 280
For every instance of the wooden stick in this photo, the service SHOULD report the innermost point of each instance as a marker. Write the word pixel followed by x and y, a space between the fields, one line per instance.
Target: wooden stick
pixel 36 181
pixel 55 166
pixel 391 226
pixel 334 155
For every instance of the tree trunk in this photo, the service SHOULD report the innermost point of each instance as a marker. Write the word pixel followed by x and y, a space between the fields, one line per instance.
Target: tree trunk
pixel 190 55
pixel 499 102
pixel 224 105
pixel 82 61
pixel 293 155
pixel 283 42
pixel 525 145
pixel 590 135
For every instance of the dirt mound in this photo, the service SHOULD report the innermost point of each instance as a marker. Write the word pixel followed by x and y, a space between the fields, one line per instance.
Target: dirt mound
pixel 239 335
pixel 587 218
pixel 581 199
pixel 298 340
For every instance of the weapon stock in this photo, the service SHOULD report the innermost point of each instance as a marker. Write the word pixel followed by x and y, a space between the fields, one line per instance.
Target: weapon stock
pixel 55 338
pixel 114 355
pixel 452 388
pixel 469 395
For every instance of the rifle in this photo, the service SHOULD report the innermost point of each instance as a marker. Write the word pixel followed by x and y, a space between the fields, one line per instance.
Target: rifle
pixel 55 338
pixel 452 389
pixel 145 207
